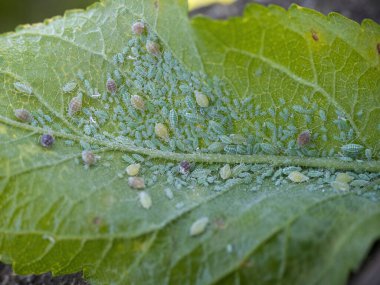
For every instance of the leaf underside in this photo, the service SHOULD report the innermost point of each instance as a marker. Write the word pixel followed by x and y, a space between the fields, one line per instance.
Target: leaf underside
pixel 268 76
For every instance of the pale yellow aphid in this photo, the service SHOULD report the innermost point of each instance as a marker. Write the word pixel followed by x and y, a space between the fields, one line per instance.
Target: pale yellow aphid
pixel 344 178
pixel 199 226
pixel 145 200
pixel 133 169
pixel 297 177
pixel 225 172
pixel 136 182
pixel 137 102
pixel 202 100
pixel 161 131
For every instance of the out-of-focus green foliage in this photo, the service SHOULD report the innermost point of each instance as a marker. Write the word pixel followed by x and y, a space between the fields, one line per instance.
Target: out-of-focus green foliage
pixel 16 12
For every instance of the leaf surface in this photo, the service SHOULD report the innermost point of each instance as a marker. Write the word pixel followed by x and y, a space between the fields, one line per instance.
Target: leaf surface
pixel 58 215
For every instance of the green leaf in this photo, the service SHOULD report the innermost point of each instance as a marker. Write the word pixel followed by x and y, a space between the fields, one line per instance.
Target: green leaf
pixel 61 216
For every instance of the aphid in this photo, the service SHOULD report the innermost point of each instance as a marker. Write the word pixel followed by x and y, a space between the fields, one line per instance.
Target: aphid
pixel 344 178
pixel 145 200
pixel 315 173
pixel 297 177
pixel 268 148
pixel 184 167
pixel 138 28
pixel 161 131
pixel 192 117
pixel 225 139
pixel 88 157
pixel 111 85
pixel 232 149
pixel 359 183
pixel 314 35
pixel 340 186
pixel 173 119
pixel 133 169
pixel 189 102
pixel 169 193
pixel 47 140
pixel 216 147
pixel 216 127
pixel 69 86
pixel 153 48
pixel 201 99
pixel 352 149
pixel 225 172
pixel 75 105
pixel 137 102
pixel 23 115
pixel 24 88
pixel 199 226
pixel 300 109
pixel 136 182
pixel 303 138
pixel 368 154
pixel 138 157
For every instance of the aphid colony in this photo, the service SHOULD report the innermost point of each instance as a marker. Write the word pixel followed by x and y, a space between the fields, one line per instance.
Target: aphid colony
pixel 152 101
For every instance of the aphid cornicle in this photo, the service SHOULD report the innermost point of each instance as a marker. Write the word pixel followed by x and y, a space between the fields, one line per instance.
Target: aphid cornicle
pixel 303 138
pixel 138 28
pixel 137 102
pixel 23 115
pixel 47 140
pixel 111 86
pixel 153 48
pixel 88 157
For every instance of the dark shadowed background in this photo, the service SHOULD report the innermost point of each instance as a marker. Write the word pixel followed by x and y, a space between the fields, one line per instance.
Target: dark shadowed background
pixel 16 12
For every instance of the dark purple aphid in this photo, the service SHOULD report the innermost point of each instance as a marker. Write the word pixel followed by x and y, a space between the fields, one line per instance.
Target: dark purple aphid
pixel 303 138
pixel 111 86
pixel 47 140
pixel 184 167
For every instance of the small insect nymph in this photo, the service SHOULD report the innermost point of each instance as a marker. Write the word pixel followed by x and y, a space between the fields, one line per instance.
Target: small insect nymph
pixel 137 102
pixel 23 88
pixel 199 226
pixel 297 177
pixel 153 48
pixel 23 115
pixel 136 182
pixel 138 28
pixel 352 149
pixel 111 86
pixel 161 131
pixel 184 167
pixel 202 100
pixel 303 138
pixel 47 140
pixel 133 169
pixel 88 157
pixel 75 105
pixel 145 200
pixel 225 172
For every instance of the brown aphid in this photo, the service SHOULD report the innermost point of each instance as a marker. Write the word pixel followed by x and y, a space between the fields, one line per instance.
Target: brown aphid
pixel 314 35
pixel 23 115
pixel 111 86
pixel 75 105
pixel 153 48
pixel 138 28
pixel 303 138
pixel 88 157
pixel 136 182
